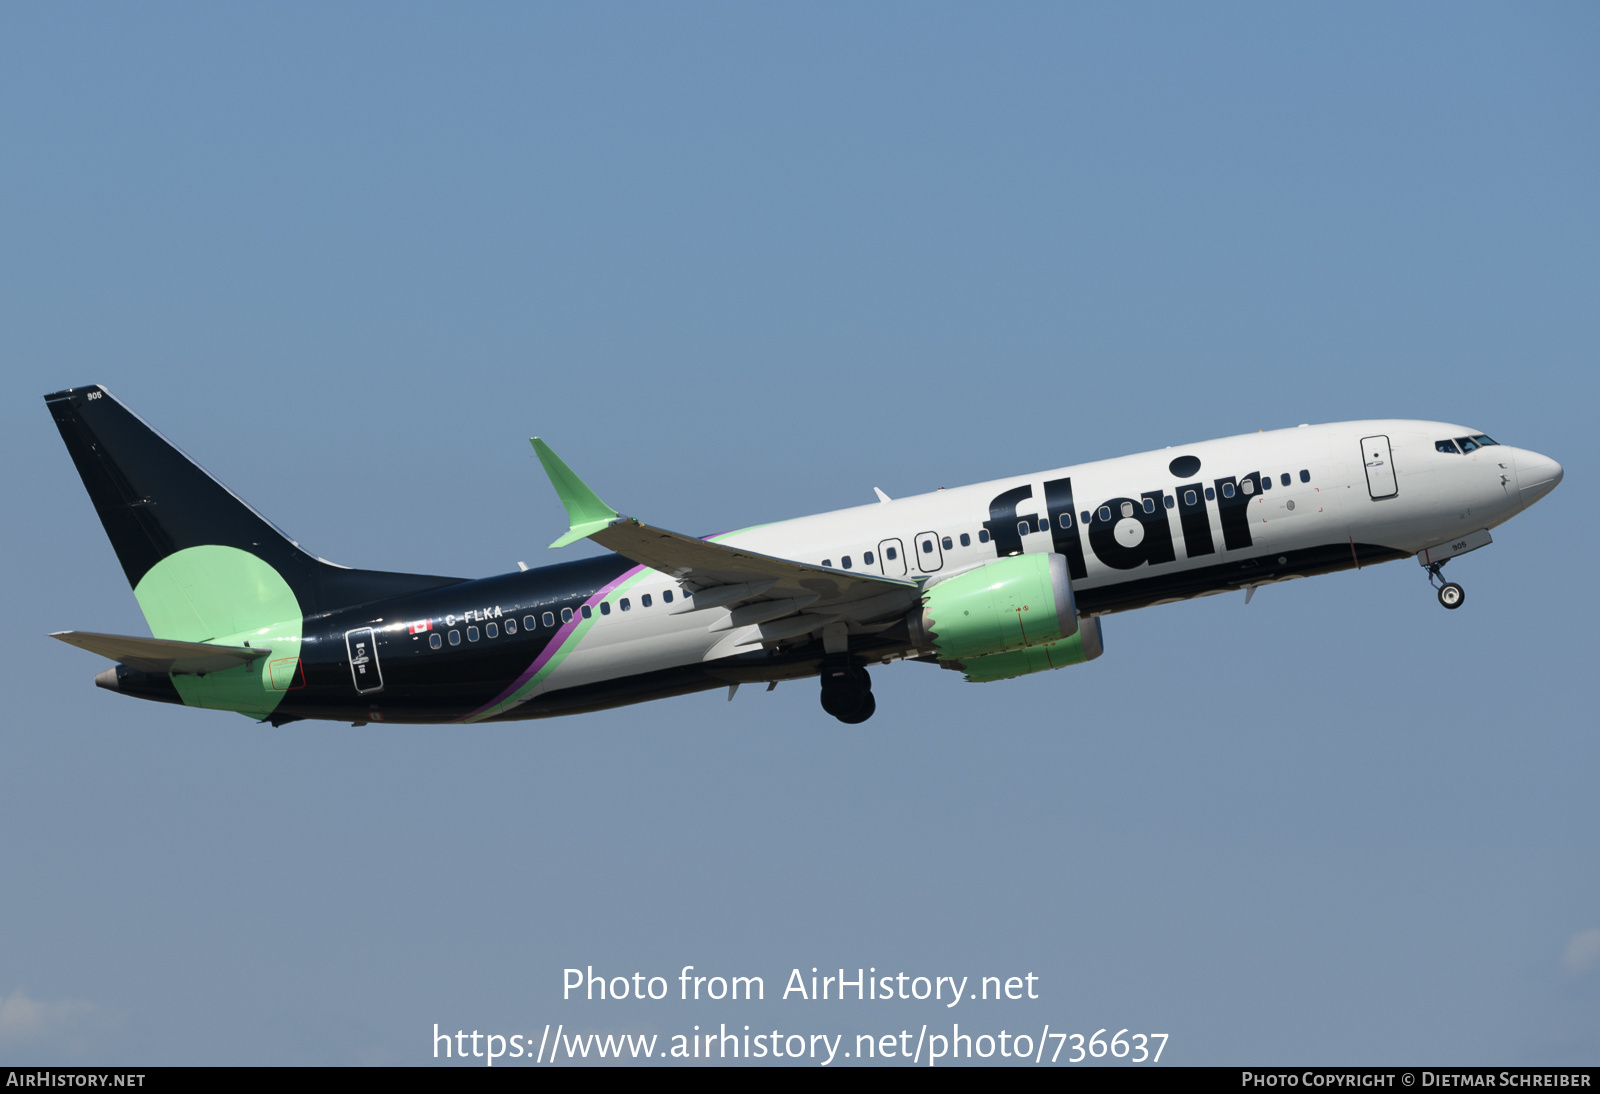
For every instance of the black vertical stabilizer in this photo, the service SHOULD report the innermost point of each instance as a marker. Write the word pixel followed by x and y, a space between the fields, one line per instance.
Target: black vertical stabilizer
pixel 153 500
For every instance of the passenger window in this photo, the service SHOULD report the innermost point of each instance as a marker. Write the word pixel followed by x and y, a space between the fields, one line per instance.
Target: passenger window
pixel 1266 482
pixel 1284 478
pixel 529 623
pixel 511 626
pixel 1084 516
pixel 892 553
pixel 587 612
pixel 1149 505
pixel 1248 487
pixel 492 630
pixel 927 546
pixel 966 541
pixel 1171 501
pixel 947 543
pixel 844 561
pixel 828 562
pixel 1127 509
pixel 1023 528
pixel 644 601
pixel 566 615
pixel 1188 497
pixel 866 557
pixel 472 634
pixel 1467 444
pixel 1105 512
pixel 666 597
pixel 605 607
pixel 1227 490
pixel 434 640
pixel 983 535
pixel 550 620
pixel 1446 447
pixel 1065 520
pixel 455 638
pixel 623 604
pixel 1305 476
pixel 1211 495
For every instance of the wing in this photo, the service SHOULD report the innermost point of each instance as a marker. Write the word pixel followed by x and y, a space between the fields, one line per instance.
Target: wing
pixel 758 588
pixel 162 654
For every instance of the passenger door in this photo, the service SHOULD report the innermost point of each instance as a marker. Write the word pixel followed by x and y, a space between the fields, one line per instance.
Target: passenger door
pixel 363 651
pixel 930 556
pixel 1381 481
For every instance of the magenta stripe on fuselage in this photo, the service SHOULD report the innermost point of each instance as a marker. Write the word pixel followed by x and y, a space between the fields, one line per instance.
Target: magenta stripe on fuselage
pixel 552 647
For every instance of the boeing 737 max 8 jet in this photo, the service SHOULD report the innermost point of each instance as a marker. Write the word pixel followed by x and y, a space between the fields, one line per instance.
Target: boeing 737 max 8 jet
pixel 994 580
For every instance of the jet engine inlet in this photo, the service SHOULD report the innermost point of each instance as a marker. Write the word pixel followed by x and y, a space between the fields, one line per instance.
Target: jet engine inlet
pixel 1009 604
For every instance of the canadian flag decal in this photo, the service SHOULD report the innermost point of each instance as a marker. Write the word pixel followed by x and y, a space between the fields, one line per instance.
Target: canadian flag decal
pixel 420 626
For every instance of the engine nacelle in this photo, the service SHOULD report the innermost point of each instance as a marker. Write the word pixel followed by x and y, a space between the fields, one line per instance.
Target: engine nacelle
pixel 1084 646
pixel 1010 604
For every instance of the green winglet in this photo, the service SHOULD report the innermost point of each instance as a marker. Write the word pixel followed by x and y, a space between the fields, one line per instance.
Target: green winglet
pixel 586 512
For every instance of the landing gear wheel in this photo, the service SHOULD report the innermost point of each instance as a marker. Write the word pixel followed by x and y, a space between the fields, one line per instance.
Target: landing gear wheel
pixel 844 702
pixel 847 691
pixel 868 705
pixel 1451 595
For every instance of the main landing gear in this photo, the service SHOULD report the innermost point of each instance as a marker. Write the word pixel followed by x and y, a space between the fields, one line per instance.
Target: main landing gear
pixel 847 690
pixel 1451 595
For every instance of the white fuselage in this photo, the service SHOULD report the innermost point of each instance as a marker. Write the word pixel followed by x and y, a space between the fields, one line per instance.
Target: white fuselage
pixel 1331 503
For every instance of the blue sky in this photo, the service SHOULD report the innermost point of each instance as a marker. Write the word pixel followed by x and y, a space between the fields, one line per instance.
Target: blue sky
pixel 741 263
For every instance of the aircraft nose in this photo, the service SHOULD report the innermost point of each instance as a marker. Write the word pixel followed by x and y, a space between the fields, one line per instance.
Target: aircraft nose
pixel 1536 476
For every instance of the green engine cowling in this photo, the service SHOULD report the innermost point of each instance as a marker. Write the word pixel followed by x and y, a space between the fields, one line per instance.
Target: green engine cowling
pixel 1083 646
pixel 1011 617
pixel 1009 604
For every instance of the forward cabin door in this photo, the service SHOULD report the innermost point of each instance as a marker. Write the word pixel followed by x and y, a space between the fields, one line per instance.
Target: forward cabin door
pixel 1375 454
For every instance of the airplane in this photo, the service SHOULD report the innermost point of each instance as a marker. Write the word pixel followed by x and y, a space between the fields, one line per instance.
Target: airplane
pixel 995 580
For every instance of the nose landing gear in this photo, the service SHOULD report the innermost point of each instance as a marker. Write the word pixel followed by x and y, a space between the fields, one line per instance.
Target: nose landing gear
pixel 847 691
pixel 1451 595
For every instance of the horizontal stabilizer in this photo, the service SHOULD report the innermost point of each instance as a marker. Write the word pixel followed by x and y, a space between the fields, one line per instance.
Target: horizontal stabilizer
pixel 162 654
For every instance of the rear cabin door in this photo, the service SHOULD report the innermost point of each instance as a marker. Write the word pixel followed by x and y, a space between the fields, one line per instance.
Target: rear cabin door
pixel 1381 482
pixel 363 652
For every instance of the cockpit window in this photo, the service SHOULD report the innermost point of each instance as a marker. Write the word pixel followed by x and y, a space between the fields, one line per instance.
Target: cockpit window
pixel 1484 441
pixel 1468 444
pixel 1447 446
